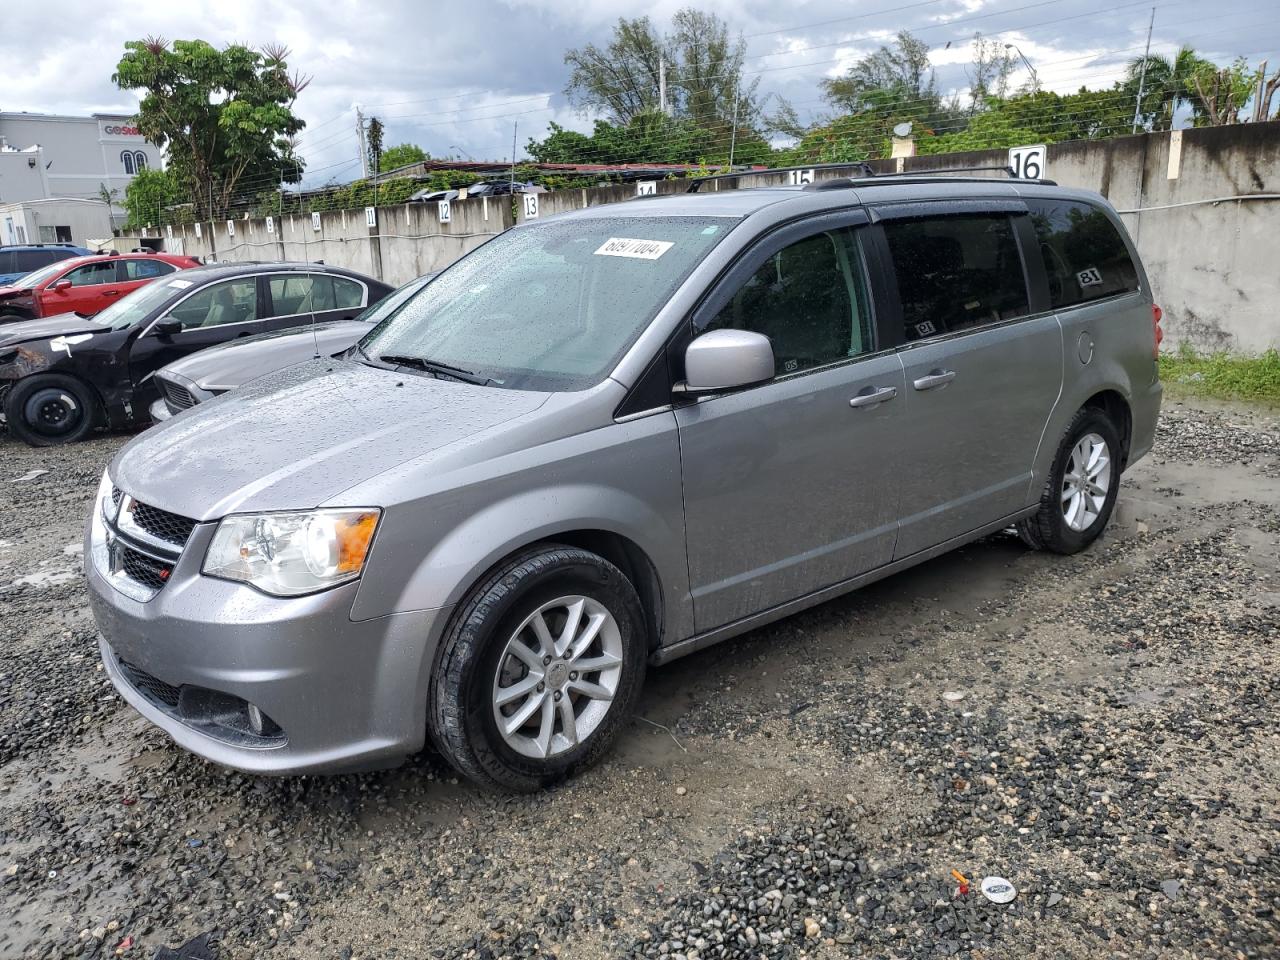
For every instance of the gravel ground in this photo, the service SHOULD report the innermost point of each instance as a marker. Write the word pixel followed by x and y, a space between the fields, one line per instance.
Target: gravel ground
pixel 1101 730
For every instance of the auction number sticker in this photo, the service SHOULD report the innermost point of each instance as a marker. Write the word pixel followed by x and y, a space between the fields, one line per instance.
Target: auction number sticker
pixel 635 249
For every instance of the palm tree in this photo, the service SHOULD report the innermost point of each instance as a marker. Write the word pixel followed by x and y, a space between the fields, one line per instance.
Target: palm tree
pixel 1169 84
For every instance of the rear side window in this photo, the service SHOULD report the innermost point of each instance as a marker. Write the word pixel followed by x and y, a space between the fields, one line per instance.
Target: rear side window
pixel 146 269
pixel 28 260
pixel 1084 255
pixel 955 273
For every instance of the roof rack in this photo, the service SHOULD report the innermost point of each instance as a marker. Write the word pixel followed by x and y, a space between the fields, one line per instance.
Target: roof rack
pixel 866 168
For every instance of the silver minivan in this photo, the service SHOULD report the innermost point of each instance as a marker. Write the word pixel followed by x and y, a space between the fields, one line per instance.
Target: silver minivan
pixel 609 439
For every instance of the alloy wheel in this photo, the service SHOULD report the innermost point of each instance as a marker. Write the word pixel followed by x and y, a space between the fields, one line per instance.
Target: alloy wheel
pixel 557 677
pixel 1086 482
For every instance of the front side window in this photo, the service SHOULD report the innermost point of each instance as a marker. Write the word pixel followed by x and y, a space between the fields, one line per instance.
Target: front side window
pixel 232 301
pixel 809 299
pixel 146 269
pixel 955 273
pixel 92 274
pixel 1085 257
pixel 552 305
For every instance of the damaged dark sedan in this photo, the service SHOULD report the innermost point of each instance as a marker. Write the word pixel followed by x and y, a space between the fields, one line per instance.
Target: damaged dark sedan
pixel 61 377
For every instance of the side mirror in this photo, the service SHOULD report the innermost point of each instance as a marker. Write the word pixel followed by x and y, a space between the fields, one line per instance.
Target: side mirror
pixel 167 327
pixel 726 360
pixel 62 286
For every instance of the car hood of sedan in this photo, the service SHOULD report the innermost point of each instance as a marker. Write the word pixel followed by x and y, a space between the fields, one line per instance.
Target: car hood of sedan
pixel 227 366
pixel 300 437
pixel 62 325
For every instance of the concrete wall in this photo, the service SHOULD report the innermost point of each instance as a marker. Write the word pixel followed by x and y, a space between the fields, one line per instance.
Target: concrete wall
pixel 408 240
pixel 1203 206
pixel 22 175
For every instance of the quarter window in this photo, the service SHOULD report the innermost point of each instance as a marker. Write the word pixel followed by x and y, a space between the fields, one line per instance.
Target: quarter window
pixel 955 273
pixel 92 274
pixel 232 301
pixel 1085 257
pixel 809 299
pixel 347 293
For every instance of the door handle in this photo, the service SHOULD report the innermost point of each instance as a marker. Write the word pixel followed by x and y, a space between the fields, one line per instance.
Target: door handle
pixel 936 378
pixel 111 293
pixel 876 396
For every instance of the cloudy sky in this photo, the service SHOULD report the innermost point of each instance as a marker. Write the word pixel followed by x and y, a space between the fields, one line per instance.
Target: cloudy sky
pixel 456 83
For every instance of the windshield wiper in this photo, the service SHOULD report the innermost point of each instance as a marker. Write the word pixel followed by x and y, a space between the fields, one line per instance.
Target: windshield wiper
pixel 436 367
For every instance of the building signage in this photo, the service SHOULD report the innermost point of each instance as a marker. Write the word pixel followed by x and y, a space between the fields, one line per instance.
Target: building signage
pixel 120 130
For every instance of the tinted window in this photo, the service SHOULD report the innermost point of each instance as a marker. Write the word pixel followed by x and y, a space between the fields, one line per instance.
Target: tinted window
pixel 300 293
pixel 809 299
pixel 956 272
pixel 27 260
pixel 232 301
pixel 6 262
pixel 146 269
pixel 1084 255
pixel 92 274
pixel 347 293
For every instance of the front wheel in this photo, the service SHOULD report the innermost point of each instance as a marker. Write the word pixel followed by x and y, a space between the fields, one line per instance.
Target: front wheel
pixel 539 669
pixel 1081 491
pixel 47 410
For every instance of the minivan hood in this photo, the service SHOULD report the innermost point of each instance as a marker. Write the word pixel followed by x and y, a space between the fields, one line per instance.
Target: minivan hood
pixel 301 436
pixel 62 325
pixel 230 364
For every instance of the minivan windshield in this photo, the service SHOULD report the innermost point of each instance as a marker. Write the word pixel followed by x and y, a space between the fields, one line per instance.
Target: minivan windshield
pixel 133 307
pixel 547 306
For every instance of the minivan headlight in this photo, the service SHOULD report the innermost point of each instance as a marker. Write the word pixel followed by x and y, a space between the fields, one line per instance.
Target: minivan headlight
pixel 289 554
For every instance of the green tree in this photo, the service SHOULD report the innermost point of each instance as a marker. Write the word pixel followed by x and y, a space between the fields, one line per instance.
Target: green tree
pixel 374 138
pixel 225 117
pixel 901 70
pixel 650 138
pixel 149 197
pixel 703 72
pixel 402 155
pixel 1167 85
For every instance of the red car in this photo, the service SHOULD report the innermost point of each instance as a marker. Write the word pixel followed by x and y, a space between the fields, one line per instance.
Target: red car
pixel 84 285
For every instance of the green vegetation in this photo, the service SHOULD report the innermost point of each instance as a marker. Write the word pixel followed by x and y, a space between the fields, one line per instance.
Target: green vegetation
pixel 402 155
pixel 1222 375
pixel 150 197
pixel 224 117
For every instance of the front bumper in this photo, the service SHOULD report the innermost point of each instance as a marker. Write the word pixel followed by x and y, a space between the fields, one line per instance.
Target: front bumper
pixel 339 694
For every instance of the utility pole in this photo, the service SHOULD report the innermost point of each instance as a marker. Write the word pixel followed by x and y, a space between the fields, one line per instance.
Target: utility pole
pixel 733 136
pixel 364 150
pixel 515 125
pixel 1142 77
pixel 662 83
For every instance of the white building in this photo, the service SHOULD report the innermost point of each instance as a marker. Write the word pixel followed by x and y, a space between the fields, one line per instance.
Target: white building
pixel 84 222
pixel 45 156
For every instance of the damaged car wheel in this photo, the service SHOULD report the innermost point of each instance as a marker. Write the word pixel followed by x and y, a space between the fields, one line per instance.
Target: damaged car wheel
pixel 49 410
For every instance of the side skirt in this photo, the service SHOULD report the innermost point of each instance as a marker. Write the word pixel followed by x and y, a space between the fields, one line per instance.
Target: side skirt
pixel 693 644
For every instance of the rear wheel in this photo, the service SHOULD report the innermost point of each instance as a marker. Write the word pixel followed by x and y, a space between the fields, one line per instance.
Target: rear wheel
pixel 47 410
pixel 12 318
pixel 1078 498
pixel 539 670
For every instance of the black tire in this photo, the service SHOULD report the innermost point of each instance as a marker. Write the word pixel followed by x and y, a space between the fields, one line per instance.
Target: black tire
pixel 51 409
pixel 12 318
pixel 1048 528
pixel 460 710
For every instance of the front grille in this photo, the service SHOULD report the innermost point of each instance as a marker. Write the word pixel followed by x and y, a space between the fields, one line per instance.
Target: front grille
pixel 176 397
pixel 162 524
pixel 153 688
pixel 143 569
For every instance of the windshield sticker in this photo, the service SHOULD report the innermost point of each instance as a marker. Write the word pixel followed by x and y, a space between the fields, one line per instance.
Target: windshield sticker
pixel 636 249
pixel 180 284
pixel 65 343
pixel 710 231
